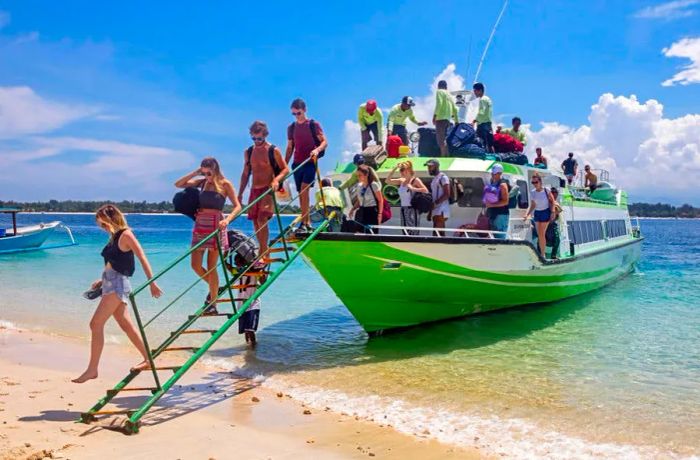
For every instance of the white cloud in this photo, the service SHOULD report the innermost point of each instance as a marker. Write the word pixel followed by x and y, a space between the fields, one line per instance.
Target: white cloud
pixel 352 140
pixel 669 10
pixel 104 168
pixel 22 112
pixel 4 19
pixel 686 48
pixel 632 140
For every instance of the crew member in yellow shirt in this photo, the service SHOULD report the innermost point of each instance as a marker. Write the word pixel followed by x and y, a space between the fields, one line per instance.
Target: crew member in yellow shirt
pixel 370 118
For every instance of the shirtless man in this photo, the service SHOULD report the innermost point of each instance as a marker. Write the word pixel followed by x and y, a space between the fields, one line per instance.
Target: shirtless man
pixel 267 172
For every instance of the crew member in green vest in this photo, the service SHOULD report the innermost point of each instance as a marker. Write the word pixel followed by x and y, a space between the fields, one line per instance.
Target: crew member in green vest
pixel 397 119
pixel 370 118
pixel 515 132
pixel 484 128
pixel 445 109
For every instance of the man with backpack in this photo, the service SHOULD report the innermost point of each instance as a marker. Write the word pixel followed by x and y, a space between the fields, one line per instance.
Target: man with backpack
pixel 264 161
pixel 305 139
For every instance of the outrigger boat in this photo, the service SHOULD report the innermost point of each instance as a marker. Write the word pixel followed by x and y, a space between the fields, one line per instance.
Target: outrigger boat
pixel 392 279
pixel 31 237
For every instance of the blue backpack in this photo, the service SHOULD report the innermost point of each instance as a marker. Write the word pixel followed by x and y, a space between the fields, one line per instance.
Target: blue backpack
pixel 460 135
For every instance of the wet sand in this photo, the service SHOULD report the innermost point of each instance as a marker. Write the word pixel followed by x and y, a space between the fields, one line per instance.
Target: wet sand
pixel 210 415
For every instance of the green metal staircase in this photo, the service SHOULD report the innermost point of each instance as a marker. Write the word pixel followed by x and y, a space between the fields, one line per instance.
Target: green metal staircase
pixel 286 244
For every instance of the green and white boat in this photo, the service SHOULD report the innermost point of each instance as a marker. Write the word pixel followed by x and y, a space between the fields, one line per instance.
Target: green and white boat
pixel 390 279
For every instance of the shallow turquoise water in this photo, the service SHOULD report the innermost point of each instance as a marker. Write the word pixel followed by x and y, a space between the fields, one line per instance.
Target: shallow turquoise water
pixel 613 373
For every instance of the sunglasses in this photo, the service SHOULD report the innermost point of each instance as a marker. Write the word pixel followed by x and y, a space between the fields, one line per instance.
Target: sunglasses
pixel 257 139
pixel 296 114
pixel 208 173
pixel 535 182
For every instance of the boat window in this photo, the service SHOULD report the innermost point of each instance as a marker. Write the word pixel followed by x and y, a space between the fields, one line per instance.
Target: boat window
pixel 615 228
pixel 586 231
pixel 473 192
pixel 523 201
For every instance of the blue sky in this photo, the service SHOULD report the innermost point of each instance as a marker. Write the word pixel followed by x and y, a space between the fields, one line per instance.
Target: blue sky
pixel 188 80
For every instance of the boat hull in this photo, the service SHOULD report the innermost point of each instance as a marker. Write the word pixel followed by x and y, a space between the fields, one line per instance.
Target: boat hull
pixel 390 282
pixel 30 237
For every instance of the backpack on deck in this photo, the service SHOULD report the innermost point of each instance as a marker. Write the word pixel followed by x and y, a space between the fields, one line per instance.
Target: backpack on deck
pixel 427 143
pixel 374 155
pixel 313 126
pixel 392 145
pixel 460 135
pixel 469 151
pixel 271 157
pixel 506 143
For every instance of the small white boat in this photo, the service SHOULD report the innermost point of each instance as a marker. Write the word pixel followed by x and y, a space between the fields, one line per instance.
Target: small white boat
pixel 31 237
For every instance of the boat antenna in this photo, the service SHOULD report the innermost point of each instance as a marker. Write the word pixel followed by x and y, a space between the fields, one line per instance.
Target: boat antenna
pixel 469 57
pixel 488 43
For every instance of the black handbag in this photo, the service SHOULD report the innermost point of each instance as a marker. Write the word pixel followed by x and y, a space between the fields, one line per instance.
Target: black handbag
pixel 187 202
pixel 422 202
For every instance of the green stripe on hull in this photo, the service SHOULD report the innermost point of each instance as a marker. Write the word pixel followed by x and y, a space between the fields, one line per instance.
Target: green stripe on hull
pixel 385 287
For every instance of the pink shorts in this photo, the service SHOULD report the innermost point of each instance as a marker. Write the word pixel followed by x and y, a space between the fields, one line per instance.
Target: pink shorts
pixel 263 208
pixel 205 223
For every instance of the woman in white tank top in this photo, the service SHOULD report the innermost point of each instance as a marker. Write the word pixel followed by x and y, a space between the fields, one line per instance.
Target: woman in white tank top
pixel 542 203
pixel 408 184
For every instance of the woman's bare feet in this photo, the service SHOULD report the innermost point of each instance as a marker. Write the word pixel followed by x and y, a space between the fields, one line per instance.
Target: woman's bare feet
pixel 87 375
pixel 142 366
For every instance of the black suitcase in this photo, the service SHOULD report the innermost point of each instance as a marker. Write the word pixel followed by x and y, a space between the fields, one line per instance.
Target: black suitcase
pixel 427 144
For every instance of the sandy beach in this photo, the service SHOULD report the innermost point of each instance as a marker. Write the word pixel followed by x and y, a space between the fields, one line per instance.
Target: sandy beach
pixel 218 415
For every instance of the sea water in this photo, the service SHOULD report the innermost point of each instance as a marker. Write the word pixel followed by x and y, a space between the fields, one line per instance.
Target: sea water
pixel 614 373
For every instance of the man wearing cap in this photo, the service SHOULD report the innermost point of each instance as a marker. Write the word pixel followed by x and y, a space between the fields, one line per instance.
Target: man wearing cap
pixel 370 118
pixel 498 212
pixel 396 124
pixel 440 190
pixel 357 160
pixel 445 110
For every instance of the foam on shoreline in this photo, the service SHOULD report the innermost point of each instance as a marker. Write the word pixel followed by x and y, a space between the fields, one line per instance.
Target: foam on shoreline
pixel 493 435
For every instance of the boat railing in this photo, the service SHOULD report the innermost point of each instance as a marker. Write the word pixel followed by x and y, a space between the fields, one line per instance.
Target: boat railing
pixel 439 232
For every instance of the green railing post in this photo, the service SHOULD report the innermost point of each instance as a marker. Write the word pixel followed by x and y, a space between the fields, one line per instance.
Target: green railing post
pixel 228 282
pixel 279 224
pixel 151 363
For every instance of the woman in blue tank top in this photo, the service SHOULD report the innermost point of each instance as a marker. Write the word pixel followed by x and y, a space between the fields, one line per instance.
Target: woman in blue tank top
pixel 118 257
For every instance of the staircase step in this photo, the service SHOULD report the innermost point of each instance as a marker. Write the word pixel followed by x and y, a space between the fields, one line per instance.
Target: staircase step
pixel 258 273
pixel 290 249
pixel 193 349
pixel 213 315
pixel 267 260
pixel 198 331
pixel 114 392
pixel 107 412
pixel 228 300
pixel 160 368
pixel 242 286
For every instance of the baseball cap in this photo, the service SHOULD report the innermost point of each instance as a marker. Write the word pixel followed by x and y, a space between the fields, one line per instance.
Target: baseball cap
pixel 408 100
pixel 431 163
pixel 497 168
pixel 358 159
pixel 371 106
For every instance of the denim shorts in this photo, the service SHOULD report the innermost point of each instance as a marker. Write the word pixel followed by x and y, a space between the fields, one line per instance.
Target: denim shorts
pixel 304 175
pixel 115 282
pixel 543 215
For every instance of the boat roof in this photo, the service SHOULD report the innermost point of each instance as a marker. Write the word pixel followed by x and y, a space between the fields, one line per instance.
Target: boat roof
pixel 447 164
pixel 10 210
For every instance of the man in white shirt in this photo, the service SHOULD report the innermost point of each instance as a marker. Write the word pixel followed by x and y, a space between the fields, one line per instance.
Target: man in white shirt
pixel 440 190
